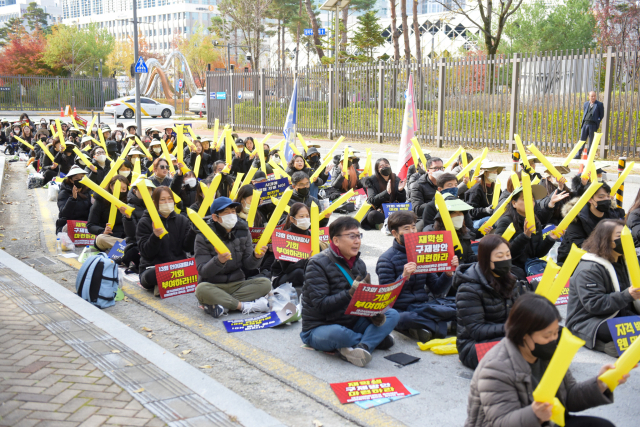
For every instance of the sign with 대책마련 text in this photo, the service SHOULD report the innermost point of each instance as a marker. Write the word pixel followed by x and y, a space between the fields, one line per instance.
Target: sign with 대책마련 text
pixel 78 233
pixel 374 388
pixel 624 331
pixel 390 208
pixel 270 189
pixel 177 277
pixel 290 247
pixel 432 251
pixel 370 300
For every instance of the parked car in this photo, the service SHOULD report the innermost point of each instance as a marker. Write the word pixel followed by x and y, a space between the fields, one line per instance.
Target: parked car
pixel 126 107
pixel 198 103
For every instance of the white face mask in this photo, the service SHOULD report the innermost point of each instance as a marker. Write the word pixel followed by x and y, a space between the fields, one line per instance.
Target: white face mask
pixel 492 177
pixel 95 129
pixel 157 150
pixel 101 158
pixel 191 182
pixel 246 209
pixel 229 221
pixel 438 174
pixel 303 223
pixel 124 173
pixel 166 208
pixel 118 137
pixel 458 221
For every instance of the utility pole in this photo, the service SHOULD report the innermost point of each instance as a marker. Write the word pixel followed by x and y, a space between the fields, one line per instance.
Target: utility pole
pixel 135 54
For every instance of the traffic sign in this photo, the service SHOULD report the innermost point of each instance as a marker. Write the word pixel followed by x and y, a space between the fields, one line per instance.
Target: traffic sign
pixel 221 95
pixel 180 83
pixel 322 31
pixel 309 31
pixel 141 67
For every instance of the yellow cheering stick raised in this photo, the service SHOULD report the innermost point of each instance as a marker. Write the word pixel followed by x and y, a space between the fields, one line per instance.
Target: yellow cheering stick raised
pixel 453 158
pixel 303 142
pixel 345 160
pixel 509 232
pixel 366 171
pixel 25 142
pixel 592 152
pixel 275 201
pixel 297 152
pixel 249 176
pixel 144 149
pixel 414 157
pixel 127 148
pixel 496 194
pixel 91 123
pixel 81 155
pixel 468 167
pixel 515 181
pixel 112 172
pixel 496 214
pixel 315 229
pixel 476 172
pixel 523 153
pixel 550 168
pixel 573 153
pixel 575 210
pixel 196 168
pixel 105 194
pixel 362 211
pixel 528 201
pixel 236 186
pixel 209 194
pixel 204 228
pixel 60 134
pixel 113 211
pixel 322 167
pixel 151 208
pixel 416 144
pixel 228 146
pixel 46 150
pixel 278 169
pixel 337 203
pixel 137 170
pixel 253 208
pixel 548 276
pixel 446 220
pixel 630 257
pixel 273 221
pixel 569 265
pixel 167 156
pixel 216 124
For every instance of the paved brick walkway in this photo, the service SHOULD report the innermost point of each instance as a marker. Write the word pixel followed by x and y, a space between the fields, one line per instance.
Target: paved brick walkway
pixel 44 382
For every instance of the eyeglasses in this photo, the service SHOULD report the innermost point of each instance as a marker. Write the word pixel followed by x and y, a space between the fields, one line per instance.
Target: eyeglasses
pixel 352 236
pixel 163 167
pixel 437 168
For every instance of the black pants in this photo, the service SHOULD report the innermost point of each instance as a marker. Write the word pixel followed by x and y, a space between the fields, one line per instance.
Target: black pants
pixel 586 134
pixel 131 255
pixel 48 175
pixel 585 421
pixel 603 333
pixel 148 279
pixel 371 219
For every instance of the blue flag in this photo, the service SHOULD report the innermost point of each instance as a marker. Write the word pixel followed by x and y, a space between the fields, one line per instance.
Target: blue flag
pixel 292 119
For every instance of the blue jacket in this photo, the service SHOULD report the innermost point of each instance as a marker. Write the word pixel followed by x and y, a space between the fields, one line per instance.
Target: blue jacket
pixel 418 287
pixel 598 113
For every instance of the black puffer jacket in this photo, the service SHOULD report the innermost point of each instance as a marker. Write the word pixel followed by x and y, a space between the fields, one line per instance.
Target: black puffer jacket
pixel 412 177
pixel 325 294
pixel 99 217
pixel 431 210
pixel 376 195
pixel 100 172
pixel 523 247
pixel 185 192
pixel 240 245
pixel 65 162
pixel 131 224
pixel 70 208
pixel 482 311
pixel 422 192
pixel 172 247
pixel 478 197
pixel 190 160
pixel 633 222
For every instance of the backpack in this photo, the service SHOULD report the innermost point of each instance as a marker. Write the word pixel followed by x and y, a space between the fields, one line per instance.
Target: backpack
pixel 98 280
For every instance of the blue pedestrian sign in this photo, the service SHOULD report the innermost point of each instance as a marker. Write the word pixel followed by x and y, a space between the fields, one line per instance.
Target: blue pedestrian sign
pixel 322 31
pixel 221 95
pixel 141 67
pixel 309 31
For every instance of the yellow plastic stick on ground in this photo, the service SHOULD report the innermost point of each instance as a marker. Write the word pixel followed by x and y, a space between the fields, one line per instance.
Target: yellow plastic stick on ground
pixel 236 186
pixel 345 160
pixel 137 170
pixel 509 232
pixel 627 361
pixel 204 228
pixel 470 166
pixel 144 149
pixel 249 176
pixel 80 154
pixel 362 211
pixel 496 214
pixel 622 177
pixel 112 172
pixel 446 220
pixel 167 156
pixel 552 169
pixel 515 181
pixel 630 257
pixel 196 168
pixel 435 343
pixel 496 194
pixel 575 210
pixel 209 195
pixel 113 211
pixel 127 148
pixel 414 156
pixel 593 151
pixel 546 390
pixel 322 167
pixel 453 158
pixel 277 168
pixel 444 350
pixel 25 142
pixel 273 221
pixel 255 201
pixel 216 124
pixel 528 201
pixel 549 275
pixel 227 146
pixel 303 142
pixel 523 153
pixel 573 153
pixel 476 172
pixel 570 264
pixel 105 194
pixel 337 203
pixel 416 144
pixel 60 134
pixel 315 229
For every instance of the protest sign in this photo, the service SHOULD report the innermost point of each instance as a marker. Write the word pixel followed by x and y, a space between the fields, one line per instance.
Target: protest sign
pixel 375 388
pixel 256 233
pixel 563 299
pixel 177 277
pixel 390 208
pixel 78 233
pixel 271 189
pixel 323 234
pixel 483 347
pixel 359 193
pixel 624 331
pixel 368 404
pixel 432 251
pixel 117 250
pixel 289 246
pixel 369 300
pixel 264 321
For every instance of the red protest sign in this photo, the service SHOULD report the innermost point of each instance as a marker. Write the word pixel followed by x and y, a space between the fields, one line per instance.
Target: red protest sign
pixel 289 246
pixel 177 277
pixel 375 388
pixel 563 299
pixel 78 233
pixel 369 300
pixel 323 234
pixel 359 192
pixel 256 233
pixel 432 251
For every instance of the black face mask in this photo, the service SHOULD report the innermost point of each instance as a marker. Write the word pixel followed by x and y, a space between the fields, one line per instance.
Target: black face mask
pixel 604 205
pixel 302 192
pixel 385 171
pixel 266 154
pixel 314 160
pixel 78 185
pixel 349 164
pixel 401 240
pixel 502 268
pixel 618 247
pixel 544 351
pixel 43 138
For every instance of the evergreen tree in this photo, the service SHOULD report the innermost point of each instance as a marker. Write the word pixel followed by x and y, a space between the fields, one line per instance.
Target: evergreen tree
pixel 35 17
pixel 12 26
pixel 368 36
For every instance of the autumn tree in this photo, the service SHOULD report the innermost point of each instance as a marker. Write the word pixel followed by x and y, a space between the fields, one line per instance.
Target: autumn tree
pixel 77 49
pixel 12 26
pixel 24 53
pixel 121 57
pixel 198 50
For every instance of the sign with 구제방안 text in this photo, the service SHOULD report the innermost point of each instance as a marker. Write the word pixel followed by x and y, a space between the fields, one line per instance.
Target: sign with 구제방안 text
pixel 370 300
pixel 78 233
pixel 432 251
pixel 374 388
pixel 177 277
pixel 624 331
pixel 290 247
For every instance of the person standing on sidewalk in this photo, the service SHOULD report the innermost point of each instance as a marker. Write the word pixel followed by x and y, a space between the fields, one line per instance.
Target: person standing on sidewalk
pixel 591 118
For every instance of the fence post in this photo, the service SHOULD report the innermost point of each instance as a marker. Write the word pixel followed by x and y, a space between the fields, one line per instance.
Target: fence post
pixel 380 101
pixel 441 86
pixel 20 90
pixel 515 91
pixel 331 101
pixel 232 98
pixel 263 108
pixel 608 87
pixel 58 84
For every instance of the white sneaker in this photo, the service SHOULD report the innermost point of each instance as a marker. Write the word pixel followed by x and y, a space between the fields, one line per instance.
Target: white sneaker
pixel 261 305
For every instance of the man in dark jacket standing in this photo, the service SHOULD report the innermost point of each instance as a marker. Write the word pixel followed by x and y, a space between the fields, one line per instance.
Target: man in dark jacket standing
pixel 593 112
pixel 222 285
pixel 424 189
pixel 331 279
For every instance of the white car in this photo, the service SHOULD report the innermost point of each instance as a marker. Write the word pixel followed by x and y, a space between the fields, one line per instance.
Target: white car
pixel 197 103
pixel 126 106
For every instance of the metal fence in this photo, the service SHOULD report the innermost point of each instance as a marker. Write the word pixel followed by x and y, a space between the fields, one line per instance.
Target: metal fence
pixel 35 93
pixel 468 101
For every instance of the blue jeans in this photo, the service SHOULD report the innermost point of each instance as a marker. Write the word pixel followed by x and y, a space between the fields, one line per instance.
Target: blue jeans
pixel 334 337
pixel 314 190
pixel 534 266
pixel 478 222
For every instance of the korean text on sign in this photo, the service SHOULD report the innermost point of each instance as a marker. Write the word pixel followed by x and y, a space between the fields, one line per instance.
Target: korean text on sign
pixel 78 233
pixel 271 189
pixel 177 278
pixel 289 246
pixel 624 331
pixel 432 251
pixel 390 208
pixel 369 300
pixel 375 388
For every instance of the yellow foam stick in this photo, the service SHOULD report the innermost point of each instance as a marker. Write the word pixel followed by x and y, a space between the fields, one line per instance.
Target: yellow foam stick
pixel 60 134
pixel 550 272
pixel 101 136
pixel 593 150
pixel 260 149
pixel 215 130
pixel 345 160
pixel 46 150
pixel 536 181
pixel 575 210
pixel 437 342
pixel 496 194
pixel 151 208
pixel 550 168
pixel 523 153
pixel 196 168
pixel 249 176
pixel 315 229
pixel 594 172
pixel 275 201
pixel 204 228
pixel 113 211
pixel 454 157
pixel 236 186
pixel 414 156
pixel 105 194
pixel 144 149
pixel 303 142
pixel 528 201
pixel 112 172
pixel 366 171
pixel 509 232
pixel 621 178
pixel 273 221
pixel 277 168
pixel 337 203
pixel 446 220
pixel 573 153
pixel 476 172
pixel 625 363
pixel 445 349
pixel 515 181
pixel 127 148
pixel 167 156
pixel 218 144
pixel 227 146
pixel 180 143
pixel 276 174
pixel 80 154
pixel 463 157
pixel 570 264
pixel 177 200
pixel 98 143
pixel 467 168
pixel 253 208
pixel 546 390
pixel 87 147
pixel 369 162
pixel 323 166
pixel 496 214
pixel 416 144
pixel 333 148
pixel 209 195
pixel 630 256
pixel 278 146
pixel 362 211
pixel 137 170
pixel 25 142
pixel 226 169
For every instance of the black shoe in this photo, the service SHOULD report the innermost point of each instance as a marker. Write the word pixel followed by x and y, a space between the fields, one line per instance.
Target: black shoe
pixel 420 335
pixel 386 343
pixel 117 260
pixel 213 310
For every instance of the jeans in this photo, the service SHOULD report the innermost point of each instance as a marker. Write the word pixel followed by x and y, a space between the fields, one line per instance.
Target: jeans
pixel 314 190
pixel 586 134
pixel 334 337
pixel 478 222
pixel 534 266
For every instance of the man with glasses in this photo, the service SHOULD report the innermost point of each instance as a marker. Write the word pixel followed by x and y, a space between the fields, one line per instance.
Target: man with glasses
pixel 424 189
pixel 331 279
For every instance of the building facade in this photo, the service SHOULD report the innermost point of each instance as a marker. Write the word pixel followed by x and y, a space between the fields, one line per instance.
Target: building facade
pixel 17 8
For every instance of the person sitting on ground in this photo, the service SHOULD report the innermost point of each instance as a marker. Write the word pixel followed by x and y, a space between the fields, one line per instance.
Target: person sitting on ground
pixel 448 187
pixel 633 221
pixel 580 182
pixel 206 148
pixel 204 160
pixel 106 234
pixel 66 158
pixel 50 169
pixel 99 167
pixel 136 156
pixel 155 148
pixel 421 317
pixel 600 288
pixel 125 170
pixel 424 189
pixel 455 168
pixel 74 199
pixel 241 162
pixel 559 186
pixel 331 279
pixel 343 182
pixel 458 212
pixel 486 291
pixel 313 158
pixel 301 185
pixel 130 224
pixel 172 247
pixel 415 173
pixel 222 285
pixel 480 195
pixel 502 386
pixel 160 175
pixel 187 186
pixel 383 187
pixel 245 197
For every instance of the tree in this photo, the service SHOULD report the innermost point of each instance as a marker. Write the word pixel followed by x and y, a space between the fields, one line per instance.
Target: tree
pixel 281 12
pixel 312 13
pixel 121 57
pixel 223 30
pixel 24 53
pixel 395 34
pixel 618 24
pixel 77 50
pixel 12 26
pixel 35 17
pixel 416 32
pixel 199 52
pixel 368 36
pixel 405 31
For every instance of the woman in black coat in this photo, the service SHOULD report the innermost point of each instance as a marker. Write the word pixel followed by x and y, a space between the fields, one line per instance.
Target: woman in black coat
pixel 50 169
pixel 204 160
pixel 100 166
pixel 74 199
pixel 187 188
pixel 383 187
pixel 97 224
pixel 486 291
pixel 480 196
pixel 66 158
pixel 130 224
